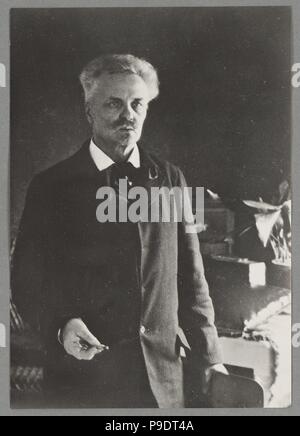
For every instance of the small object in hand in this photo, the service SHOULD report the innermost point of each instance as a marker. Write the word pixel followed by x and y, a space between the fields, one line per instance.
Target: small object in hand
pixel 85 346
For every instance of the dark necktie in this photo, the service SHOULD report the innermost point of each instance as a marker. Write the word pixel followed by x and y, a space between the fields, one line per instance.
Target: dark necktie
pixel 125 170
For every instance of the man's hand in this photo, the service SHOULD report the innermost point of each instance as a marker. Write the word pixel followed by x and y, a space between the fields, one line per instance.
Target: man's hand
pixel 79 342
pixel 208 374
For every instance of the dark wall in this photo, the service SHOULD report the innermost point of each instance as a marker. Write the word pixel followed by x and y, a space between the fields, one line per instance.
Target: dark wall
pixel 224 110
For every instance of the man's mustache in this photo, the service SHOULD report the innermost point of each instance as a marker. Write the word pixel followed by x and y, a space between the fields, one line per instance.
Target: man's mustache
pixel 124 125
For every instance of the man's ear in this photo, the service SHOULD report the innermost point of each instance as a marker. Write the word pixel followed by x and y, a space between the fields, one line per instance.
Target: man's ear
pixel 88 112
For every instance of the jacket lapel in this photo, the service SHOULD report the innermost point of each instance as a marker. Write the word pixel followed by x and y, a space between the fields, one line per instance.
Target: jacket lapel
pixel 154 176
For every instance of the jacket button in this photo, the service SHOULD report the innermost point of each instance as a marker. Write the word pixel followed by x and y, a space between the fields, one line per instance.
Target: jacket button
pixel 143 330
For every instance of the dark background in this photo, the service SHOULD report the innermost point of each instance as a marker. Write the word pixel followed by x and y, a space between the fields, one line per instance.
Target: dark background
pixel 224 112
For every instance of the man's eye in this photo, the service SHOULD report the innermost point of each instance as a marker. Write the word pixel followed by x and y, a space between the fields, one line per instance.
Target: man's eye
pixel 138 105
pixel 114 104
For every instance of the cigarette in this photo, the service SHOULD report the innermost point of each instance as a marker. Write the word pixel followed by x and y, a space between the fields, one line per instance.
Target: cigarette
pixel 85 346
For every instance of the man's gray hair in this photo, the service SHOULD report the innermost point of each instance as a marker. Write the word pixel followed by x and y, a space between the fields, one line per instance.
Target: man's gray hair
pixel 116 64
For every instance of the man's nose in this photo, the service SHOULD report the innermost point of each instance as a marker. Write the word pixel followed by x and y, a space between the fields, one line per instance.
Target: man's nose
pixel 128 112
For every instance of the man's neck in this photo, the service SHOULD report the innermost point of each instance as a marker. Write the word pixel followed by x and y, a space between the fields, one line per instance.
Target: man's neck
pixel 115 152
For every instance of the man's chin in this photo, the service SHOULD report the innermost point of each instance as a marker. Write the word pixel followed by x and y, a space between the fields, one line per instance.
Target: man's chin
pixel 127 141
pixel 125 147
pixel 127 136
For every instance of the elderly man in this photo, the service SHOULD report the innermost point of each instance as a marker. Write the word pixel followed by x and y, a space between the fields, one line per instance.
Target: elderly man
pixel 120 305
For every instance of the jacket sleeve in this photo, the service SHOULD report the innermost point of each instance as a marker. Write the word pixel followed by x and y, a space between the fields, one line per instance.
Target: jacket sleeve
pixel 28 258
pixel 196 312
pixel 45 314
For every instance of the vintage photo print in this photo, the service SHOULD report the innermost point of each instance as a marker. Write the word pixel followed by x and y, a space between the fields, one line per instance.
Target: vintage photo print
pixel 150 207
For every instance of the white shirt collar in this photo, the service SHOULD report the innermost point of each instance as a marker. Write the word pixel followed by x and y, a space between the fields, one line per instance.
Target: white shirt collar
pixel 102 161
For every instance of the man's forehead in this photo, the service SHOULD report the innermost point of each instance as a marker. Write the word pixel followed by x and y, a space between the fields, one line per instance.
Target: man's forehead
pixel 122 85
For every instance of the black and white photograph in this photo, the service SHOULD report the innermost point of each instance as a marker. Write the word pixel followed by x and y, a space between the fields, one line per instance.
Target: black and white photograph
pixel 150 207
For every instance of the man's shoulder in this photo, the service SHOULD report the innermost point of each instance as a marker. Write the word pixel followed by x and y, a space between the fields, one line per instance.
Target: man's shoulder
pixel 59 172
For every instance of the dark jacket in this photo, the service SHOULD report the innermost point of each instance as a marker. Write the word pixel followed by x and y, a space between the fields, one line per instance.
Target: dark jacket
pixel 61 248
